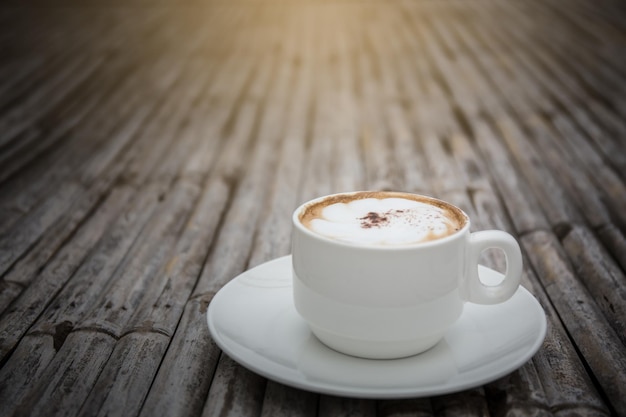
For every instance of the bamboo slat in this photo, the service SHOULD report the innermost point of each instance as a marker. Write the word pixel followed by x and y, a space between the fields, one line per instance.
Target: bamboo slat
pixel 151 152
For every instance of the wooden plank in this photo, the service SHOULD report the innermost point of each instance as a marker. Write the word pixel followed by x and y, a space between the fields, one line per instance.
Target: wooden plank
pixel 613 190
pixel 318 175
pixel 155 320
pixel 95 129
pixel 578 186
pixel 459 84
pixel 176 372
pixel 499 43
pixel 81 291
pixel 555 382
pixel 417 407
pixel 484 175
pixel 565 45
pixel 551 196
pixel 113 308
pixel 601 276
pixel 615 242
pixel 53 126
pixel 347 129
pixel 58 391
pixel 598 343
pixel 188 367
pixel 66 162
pixel 274 230
pixel 408 154
pixel 600 211
pixel 577 182
pixel 574 85
pixel 94 234
pixel 57 232
pixel 344 407
pixel 27 268
pixel 491 65
pixel 331 405
pixel 132 280
pixel 525 388
pixel 280 400
pixel 26 366
pixel 78 296
pixel 535 377
pixel 15 73
pixel 565 383
pixel 42 100
pixel 375 83
pixel 562 84
pixel 234 390
pixel 468 402
pixel 32 38
pixel 16 241
pixel 126 376
pixel 611 120
pixel 273 238
pixel 140 109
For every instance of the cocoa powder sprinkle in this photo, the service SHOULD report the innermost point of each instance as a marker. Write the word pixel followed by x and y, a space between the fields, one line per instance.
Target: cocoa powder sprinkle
pixel 373 219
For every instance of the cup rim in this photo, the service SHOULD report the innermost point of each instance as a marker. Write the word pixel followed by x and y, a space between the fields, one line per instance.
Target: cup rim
pixel 410 246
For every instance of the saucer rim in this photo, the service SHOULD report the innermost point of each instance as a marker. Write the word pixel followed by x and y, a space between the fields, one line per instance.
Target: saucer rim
pixel 338 389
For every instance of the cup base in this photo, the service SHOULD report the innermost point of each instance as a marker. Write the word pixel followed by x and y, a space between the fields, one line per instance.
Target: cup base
pixel 369 349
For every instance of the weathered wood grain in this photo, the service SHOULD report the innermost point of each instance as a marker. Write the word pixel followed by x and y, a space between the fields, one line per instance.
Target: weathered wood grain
pixel 560 386
pixel 418 407
pixel 36 297
pixel 376 83
pixel 69 78
pixel 26 366
pixel 512 388
pixel 603 177
pixel 33 184
pixel 149 153
pixel 566 89
pixel 274 232
pixel 187 368
pixel 599 344
pixel 244 209
pixel 155 321
pixel 553 199
pixel 601 276
pixel 318 175
pixel 60 390
pixel 121 385
pixel 242 390
pixel 25 236
pixel 234 390
pixel 76 299
pixel 281 400
pixel 344 407
pixel 97 127
pixel 116 303
pixel 78 291
pixel 469 402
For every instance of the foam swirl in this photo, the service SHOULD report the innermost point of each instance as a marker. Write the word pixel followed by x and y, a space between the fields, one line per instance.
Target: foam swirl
pixel 386 221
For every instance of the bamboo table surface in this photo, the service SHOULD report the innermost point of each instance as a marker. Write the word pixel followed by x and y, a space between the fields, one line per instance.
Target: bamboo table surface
pixel 152 151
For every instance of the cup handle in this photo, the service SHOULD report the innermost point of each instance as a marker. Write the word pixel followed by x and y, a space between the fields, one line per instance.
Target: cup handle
pixel 479 293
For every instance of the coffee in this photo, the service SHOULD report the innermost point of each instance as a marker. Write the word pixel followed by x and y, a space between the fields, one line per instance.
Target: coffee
pixel 382 218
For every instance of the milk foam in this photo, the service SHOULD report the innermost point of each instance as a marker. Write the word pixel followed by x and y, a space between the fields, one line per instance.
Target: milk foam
pixel 386 221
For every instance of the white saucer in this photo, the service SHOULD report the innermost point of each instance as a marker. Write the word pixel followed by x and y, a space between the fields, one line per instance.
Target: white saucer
pixel 253 320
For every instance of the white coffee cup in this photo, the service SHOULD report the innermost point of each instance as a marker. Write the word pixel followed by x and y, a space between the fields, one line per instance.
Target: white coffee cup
pixel 386 300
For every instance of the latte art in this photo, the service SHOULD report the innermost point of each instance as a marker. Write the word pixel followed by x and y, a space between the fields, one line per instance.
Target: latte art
pixel 383 219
